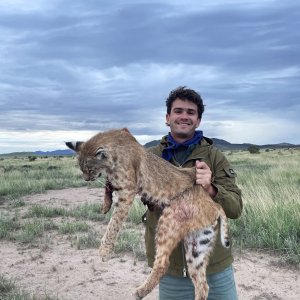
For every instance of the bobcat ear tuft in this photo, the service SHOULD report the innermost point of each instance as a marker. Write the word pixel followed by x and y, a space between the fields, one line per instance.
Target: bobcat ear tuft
pixel 75 146
pixel 101 153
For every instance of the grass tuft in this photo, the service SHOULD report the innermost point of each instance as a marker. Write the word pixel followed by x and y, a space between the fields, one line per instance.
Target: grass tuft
pixel 72 227
pixel 86 241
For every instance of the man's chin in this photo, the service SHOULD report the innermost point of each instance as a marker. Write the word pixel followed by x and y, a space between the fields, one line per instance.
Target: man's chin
pixel 184 135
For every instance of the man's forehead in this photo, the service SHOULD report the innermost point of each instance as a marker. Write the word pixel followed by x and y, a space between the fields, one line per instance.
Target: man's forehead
pixel 184 104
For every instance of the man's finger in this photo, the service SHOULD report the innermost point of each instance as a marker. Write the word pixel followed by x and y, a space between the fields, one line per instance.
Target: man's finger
pixel 201 165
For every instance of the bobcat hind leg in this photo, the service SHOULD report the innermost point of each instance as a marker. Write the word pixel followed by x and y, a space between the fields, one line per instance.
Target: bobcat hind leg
pixel 198 246
pixel 168 235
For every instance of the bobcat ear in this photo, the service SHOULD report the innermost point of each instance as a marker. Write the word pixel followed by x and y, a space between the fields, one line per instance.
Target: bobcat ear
pixel 125 130
pixel 101 153
pixel 75 146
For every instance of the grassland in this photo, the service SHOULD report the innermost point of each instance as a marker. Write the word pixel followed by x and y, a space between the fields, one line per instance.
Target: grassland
pixel 269 181
pixel 270 184
pixel 21 176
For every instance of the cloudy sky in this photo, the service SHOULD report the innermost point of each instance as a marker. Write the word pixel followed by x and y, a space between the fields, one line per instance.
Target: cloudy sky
pixel 71 68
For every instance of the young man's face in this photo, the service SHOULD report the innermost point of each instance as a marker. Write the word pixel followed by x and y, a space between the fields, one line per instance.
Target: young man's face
pixel 183 120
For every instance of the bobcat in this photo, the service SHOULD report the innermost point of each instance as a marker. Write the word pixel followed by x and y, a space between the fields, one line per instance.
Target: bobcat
pixel 188 213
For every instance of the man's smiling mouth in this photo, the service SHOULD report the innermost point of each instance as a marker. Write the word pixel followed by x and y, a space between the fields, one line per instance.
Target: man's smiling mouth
pixel 181 123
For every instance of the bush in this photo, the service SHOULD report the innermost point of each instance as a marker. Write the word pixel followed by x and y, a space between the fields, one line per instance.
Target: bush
pixel 32 158
pixel 253 149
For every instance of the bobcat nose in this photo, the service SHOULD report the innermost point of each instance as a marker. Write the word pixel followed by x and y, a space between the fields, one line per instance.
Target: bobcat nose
pixel 86 177
pixel 91 177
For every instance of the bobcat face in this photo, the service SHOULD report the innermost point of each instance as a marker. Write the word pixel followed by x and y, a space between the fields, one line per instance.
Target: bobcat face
pixel 90 169
pixel 92 166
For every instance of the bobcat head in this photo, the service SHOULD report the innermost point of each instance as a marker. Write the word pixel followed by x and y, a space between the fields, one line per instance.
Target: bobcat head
pixel 111 151
pixel 91 163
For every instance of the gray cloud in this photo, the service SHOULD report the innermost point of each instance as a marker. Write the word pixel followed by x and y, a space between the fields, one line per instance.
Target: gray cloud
pixel 94 65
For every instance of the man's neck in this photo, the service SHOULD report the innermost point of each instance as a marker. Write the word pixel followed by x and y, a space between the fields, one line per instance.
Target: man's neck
pixel 180 140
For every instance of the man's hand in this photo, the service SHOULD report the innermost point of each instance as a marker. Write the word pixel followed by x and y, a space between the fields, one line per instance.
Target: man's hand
pixel 204 177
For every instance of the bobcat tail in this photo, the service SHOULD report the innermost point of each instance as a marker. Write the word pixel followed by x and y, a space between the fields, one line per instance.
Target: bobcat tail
pixel 224 229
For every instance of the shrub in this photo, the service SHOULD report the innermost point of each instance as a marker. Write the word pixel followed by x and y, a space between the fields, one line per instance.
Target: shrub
pixel 253 149
pixel 32 158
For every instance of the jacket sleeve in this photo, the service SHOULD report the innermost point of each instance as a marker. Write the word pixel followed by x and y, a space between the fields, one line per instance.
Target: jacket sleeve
pixel 228 193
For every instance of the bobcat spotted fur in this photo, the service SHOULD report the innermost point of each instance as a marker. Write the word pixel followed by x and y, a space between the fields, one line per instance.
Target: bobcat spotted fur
pixel 189 214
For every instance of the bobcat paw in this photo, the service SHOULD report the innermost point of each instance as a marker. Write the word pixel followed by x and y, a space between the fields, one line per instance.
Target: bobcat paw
pixel 104 253
pixel 140 293
pixel 137 296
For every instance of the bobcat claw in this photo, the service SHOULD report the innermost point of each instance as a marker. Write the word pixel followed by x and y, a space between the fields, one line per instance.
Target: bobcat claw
pixel 137 296
pixel 104 259
pixel 104 253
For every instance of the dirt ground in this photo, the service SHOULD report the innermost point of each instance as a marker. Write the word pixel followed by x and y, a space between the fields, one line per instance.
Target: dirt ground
pixel 67 273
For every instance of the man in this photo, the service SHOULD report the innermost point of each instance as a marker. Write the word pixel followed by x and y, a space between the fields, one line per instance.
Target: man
pixel 185 146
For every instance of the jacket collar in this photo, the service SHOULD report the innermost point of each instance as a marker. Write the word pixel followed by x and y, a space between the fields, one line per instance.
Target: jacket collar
pixel 199 153
pixel 205 142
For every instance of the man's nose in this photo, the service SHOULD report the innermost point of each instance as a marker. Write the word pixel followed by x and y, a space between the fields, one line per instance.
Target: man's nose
pixel 184 115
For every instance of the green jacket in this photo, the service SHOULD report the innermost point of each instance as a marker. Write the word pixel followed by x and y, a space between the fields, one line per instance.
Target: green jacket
pixel 228 196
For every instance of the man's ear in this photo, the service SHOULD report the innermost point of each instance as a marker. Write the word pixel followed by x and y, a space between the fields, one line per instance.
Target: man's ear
pixel 101 153
pixel 75 146
pixel 167 119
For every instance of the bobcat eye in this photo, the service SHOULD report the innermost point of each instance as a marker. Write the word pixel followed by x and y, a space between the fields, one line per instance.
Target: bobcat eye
pixel 101 153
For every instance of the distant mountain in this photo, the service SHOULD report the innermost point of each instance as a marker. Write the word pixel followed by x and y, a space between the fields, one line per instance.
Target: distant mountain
pixel 224 145
pixel 221 144
pixel 54 153
pixel 152 143
pixel 40 153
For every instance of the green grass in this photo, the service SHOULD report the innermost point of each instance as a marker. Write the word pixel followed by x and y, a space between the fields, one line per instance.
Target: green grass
pixel 33 229
pixel 23 177
pixel 40 211
pixel 136 212
pixel 271 195
pixel 85 211
pixel 91 239
pixel 73 227
pixel 38 220
pixel 274 227
pixel 129 240
pixel 8 225
pixel 10 291
pixel 88 212
pixel 269 182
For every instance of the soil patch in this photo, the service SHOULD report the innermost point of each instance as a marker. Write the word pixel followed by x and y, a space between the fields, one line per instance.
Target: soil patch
pixel 65 272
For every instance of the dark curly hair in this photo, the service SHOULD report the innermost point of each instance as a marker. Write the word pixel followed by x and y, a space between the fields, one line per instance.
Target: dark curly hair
pixel 183 93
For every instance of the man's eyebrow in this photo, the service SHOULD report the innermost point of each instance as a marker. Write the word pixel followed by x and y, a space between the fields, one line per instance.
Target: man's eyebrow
pixel 186 109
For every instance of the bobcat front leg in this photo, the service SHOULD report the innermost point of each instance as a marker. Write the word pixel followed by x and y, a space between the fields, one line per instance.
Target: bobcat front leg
pixel 118 217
